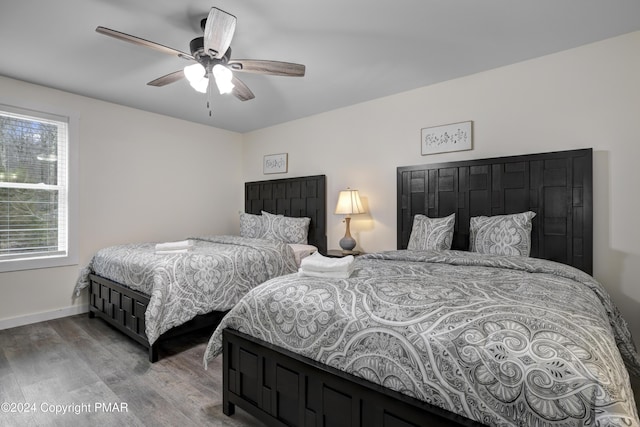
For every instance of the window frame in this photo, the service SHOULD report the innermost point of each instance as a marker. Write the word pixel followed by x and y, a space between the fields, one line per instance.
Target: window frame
pixel 55 259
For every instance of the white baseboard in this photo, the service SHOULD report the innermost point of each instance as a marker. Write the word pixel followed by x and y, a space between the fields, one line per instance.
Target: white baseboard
pixel 44 316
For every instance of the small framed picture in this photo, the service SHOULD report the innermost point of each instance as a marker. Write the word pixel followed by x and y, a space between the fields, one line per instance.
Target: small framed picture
pixel 446 138
pixel 275 163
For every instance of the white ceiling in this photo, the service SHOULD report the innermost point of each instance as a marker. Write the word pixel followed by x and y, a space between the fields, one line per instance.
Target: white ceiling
pixel 354 50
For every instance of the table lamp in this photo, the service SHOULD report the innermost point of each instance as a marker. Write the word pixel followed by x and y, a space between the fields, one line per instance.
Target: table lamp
pixel 348 204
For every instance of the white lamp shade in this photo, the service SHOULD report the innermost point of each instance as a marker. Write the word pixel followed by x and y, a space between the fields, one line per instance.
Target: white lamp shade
pixel 195 74
pixel 201 85
pixel 349 203
pixel 223 77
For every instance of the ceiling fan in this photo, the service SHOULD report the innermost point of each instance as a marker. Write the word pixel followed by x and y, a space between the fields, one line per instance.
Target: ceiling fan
pixel 212 56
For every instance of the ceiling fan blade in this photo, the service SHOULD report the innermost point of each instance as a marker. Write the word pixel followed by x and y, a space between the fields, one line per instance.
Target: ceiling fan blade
pixel 275 68
pixel 241 90
pixel 142 42
pixel 168 79
pixel 218 32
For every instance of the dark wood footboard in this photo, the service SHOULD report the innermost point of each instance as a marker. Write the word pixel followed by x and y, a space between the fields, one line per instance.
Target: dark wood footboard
pixel 124 309
pixel 282 388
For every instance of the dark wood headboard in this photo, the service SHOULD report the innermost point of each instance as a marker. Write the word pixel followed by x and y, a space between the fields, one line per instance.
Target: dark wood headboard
pixel 296 197
pixel 557 186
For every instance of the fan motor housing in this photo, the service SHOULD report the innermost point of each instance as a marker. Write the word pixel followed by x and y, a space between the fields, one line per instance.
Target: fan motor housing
pixel 197 46
pixel 197 49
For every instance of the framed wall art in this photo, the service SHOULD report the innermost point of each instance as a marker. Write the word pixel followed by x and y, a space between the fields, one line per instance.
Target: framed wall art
pixel 275 163
pixel 446 138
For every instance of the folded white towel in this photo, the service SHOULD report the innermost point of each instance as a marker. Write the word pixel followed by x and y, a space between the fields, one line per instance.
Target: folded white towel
pixel 172 246
pixel 320 263
pixel 173 251
pixel 329 274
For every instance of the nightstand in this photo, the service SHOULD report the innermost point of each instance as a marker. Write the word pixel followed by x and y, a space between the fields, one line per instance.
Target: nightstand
pixel 339 253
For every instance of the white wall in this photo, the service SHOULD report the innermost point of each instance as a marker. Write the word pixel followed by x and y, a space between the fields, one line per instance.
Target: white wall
pixel 584 97
pixel 142 177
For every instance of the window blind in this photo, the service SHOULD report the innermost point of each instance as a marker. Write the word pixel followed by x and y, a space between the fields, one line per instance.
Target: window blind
pixel 33 184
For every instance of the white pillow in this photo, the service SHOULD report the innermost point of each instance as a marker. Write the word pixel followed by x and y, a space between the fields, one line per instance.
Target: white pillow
pixel 431 233
pixel 501 234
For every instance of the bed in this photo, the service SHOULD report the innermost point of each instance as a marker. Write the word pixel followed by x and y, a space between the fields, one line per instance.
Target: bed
pixel 201 284
pixel 431 337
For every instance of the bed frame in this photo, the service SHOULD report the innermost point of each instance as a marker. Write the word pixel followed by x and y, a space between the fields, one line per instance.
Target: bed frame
pixel 124 308
pixel 282 388
pixel 285 389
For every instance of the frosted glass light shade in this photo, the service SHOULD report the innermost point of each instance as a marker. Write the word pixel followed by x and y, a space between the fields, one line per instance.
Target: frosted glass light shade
pixel 223 77
pixel 195 74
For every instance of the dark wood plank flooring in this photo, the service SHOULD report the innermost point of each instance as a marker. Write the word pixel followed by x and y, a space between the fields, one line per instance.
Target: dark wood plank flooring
pixel 78 363
pixel 101 377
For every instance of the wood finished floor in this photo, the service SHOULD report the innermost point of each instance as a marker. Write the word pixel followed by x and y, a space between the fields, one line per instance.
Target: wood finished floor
pixel 83 362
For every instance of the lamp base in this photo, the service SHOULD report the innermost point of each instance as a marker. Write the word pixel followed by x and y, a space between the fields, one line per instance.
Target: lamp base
pixel 347 243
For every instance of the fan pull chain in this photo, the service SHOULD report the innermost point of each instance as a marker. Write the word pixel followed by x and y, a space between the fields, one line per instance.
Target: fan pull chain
pixel 209 76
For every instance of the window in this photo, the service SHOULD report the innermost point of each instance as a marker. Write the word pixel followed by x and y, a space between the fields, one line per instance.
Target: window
pixel 36 204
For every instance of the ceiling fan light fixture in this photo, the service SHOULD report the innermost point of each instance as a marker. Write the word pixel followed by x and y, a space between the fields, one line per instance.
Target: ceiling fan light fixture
pixel 211 49
pixel 195 74
pixel 201 85
pixel 223 77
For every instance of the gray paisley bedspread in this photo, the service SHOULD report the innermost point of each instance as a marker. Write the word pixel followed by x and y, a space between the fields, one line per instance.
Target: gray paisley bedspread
pixel 213 276
pixel 502 340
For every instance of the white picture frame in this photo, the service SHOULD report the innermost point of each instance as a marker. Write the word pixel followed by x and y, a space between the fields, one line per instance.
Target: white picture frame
pixel 275 163
pixel 446 138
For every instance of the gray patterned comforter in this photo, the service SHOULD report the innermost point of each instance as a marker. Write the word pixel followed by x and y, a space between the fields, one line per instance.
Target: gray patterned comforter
pixel 213 276
pixel 502 340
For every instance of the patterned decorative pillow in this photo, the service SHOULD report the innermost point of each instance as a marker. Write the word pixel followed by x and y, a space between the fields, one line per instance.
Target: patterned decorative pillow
pixel 501 234
pixel 285 229
pixel 251 225
pixel 431 233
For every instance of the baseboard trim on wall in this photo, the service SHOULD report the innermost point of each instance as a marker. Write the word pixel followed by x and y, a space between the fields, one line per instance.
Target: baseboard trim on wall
pixel 28 319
